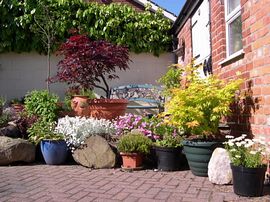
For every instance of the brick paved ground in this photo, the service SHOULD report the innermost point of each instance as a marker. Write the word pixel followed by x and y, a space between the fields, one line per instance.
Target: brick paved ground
pixel 76 183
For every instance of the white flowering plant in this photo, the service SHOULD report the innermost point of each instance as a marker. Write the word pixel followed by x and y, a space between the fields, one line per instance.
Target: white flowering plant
pixel 249 153
pixel 77 129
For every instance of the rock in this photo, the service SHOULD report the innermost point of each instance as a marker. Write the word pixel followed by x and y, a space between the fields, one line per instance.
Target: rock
pixel 14 150
pixel 10 131
pixel 219 170
pixel 96 153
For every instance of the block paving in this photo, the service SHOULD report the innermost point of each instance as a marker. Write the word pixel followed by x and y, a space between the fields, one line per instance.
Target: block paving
pixel 70 183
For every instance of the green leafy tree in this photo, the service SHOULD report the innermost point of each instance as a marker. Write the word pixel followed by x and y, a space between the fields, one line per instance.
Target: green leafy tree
pixel 117 23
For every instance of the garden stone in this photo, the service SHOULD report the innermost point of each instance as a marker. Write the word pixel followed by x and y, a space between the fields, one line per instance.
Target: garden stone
pixel 16 150
pixel 95 153
pixel 219 170
pixel 10 131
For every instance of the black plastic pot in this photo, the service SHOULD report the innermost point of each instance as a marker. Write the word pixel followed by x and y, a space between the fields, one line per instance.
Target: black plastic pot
pixel 168 159
pixel 198 154
pixel 248 181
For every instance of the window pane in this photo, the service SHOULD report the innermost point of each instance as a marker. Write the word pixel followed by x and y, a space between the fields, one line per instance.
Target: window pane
pixel 235 35
pixel 232 4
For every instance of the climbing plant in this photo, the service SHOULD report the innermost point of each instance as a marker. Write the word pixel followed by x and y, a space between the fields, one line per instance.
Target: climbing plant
pixel 116 23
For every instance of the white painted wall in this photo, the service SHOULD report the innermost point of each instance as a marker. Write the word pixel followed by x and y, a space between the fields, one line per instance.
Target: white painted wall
pixel 201 32
pixel 20 73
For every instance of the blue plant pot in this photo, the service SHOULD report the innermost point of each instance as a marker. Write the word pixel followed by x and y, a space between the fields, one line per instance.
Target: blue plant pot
pixel 54 151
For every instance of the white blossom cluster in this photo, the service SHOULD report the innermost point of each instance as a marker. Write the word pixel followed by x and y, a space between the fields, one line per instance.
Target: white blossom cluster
pixel 250 152
pixel 77 129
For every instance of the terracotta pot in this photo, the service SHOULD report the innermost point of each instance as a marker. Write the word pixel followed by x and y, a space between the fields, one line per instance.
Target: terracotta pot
pixel 131 160
pixel 18 107
pixel 80 105
pixel 107 108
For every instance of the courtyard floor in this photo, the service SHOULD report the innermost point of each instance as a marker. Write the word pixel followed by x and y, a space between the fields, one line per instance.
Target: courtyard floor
pixel 76 183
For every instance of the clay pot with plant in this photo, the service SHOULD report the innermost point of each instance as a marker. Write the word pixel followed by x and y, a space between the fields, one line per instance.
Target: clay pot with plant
pixel 197 108
pixel 132 147
pixel 17 104
pixel 89 64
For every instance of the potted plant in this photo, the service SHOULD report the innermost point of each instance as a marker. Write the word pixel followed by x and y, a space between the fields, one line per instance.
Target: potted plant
pixel 17 104
pixel 168 142
pixel 132 147
pixel 53 146
pixel 90 64
pixel 248 162
pixel 196 108
pixel 76 100
pixel 44 106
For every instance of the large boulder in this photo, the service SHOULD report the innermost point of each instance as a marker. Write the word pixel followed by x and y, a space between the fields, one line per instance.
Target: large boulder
pixel 95 153
pixel 219 170
pixel 16 150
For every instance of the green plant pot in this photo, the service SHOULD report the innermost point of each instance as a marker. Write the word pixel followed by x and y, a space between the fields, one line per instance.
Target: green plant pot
pixel 198 154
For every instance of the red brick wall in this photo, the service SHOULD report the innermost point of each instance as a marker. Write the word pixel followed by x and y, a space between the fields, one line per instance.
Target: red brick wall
pixel 254 117
pixel 185 35
pixel 128 2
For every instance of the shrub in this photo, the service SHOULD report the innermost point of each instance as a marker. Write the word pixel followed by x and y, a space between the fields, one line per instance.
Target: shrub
pixel 134 143
pixel 43 130
pixel 42 104
pixel 198 107
pixel 77 129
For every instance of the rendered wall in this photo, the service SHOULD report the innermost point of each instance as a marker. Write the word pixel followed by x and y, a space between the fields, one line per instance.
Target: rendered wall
pixel 20 73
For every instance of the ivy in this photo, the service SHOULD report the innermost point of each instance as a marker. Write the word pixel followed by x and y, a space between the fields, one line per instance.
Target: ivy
pixel 116 23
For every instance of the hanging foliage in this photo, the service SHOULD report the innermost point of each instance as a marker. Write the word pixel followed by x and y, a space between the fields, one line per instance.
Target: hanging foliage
pixel 116 23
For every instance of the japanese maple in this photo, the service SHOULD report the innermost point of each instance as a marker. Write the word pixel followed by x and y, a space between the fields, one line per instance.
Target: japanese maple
pixel 90 64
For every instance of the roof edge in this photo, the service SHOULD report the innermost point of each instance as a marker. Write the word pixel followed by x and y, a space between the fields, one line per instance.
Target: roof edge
pixel 155 6
pixel 184 14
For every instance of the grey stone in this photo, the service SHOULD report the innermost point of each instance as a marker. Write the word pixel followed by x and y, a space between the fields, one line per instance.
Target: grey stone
pixel 95 153
pixel 14 150
pixel 219 170
pixel 10 131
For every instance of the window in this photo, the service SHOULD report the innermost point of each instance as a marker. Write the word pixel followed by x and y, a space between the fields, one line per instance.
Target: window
pixel 233 27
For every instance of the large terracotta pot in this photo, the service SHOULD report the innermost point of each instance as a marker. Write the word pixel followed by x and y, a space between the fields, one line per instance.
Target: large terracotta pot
pixel 107 108
pixel 80 105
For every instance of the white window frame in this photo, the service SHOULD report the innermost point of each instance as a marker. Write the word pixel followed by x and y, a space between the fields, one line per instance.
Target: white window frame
pixel 229 18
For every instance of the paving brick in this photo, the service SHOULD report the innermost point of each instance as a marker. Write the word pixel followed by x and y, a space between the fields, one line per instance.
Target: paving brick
pixel 87 199
pixel 77 183
pixel 131 199
pixel 162 195
pixel 121 196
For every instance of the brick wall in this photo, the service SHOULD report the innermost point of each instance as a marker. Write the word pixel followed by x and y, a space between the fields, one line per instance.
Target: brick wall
pixel 254 115
pixel 185 35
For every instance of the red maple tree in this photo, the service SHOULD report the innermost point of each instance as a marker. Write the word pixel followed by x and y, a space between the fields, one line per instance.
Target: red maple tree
pixel 90 63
